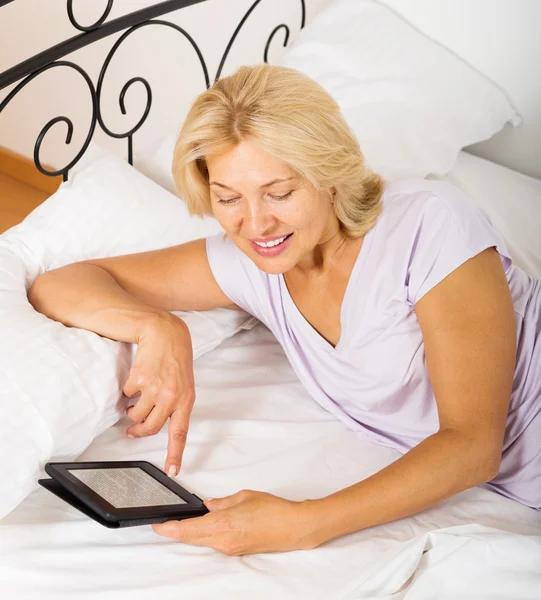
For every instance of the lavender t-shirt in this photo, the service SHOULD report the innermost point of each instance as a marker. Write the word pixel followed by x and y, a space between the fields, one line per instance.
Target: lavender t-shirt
pixel 375 380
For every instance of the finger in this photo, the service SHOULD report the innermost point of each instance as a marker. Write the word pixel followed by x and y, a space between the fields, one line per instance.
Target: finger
pixel 133 384
pixel 130 388
pixel 140 411
pixel 143 429
pixel 198 531
pixel 178 433
pixel 227 501
pixel 153 422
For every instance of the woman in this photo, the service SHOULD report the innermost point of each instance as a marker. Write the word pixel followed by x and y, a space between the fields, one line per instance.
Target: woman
pixel 396 304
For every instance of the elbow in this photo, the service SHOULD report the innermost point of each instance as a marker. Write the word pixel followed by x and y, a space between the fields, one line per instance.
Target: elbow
pixel 33 294
pixel 479 456
pixel 490 465
pixel 40 291
pixel 488 458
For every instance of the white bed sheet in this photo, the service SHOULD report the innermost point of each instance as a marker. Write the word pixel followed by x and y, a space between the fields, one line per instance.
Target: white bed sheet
pixel 255 427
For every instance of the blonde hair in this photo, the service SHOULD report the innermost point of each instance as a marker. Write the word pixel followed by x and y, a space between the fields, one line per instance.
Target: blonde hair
pixel 294 119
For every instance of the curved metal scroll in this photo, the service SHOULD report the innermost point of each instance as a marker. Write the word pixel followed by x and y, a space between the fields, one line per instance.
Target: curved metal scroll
pixel 136 20
pixel 240 25
pixel 267 46
pixel 52 122
pixel 95 25
pixel 129 134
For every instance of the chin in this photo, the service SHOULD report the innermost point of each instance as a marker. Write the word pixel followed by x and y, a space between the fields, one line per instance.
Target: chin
pixel 271 269
pixel 273 266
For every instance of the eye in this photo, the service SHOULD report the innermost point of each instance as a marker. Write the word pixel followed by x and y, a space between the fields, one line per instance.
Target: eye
pixel 227 200
pixel 281 197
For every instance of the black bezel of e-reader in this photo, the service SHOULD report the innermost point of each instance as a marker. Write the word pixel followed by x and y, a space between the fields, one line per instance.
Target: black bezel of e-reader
pixel 80 496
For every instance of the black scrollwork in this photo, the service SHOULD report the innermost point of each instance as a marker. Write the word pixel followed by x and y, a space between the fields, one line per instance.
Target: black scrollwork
pixel 95 25
pixel 267 46
pixel 129 134
pixel 239 27
pixel 52 122
pixel 129 23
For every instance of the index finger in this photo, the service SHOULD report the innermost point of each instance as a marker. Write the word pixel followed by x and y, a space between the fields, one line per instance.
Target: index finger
pixel 178 432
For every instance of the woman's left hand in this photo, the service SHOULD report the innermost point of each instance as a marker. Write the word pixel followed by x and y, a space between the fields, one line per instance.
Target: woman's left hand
pixel 247 522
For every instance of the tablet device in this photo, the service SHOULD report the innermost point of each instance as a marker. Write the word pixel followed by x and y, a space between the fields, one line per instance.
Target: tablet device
pixel 121 493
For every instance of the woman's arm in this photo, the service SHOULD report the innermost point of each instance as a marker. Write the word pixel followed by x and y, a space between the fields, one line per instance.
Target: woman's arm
pixel 469 335
pixel 111 296
pixel 128 298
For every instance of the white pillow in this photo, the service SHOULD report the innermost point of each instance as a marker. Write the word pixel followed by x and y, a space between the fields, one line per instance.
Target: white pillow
pixel 156 161
pixel 62 387
pixel 412 103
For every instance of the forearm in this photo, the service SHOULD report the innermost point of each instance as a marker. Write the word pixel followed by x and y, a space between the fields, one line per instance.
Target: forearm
pixel 441 466
pixel 87 297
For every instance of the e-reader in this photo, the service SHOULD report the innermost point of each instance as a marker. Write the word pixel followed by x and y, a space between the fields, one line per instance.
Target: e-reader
pixel 121 493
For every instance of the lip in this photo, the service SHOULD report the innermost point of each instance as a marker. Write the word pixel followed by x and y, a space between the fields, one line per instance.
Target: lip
pixel 269 239
pixel 275 250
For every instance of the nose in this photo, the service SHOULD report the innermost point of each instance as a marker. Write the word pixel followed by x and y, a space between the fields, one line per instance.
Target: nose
pixel 258 220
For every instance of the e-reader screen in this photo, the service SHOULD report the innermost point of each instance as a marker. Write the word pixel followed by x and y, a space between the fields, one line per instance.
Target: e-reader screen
pixel 129 487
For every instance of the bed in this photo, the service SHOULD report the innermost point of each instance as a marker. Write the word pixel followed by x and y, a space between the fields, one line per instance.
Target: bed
pixel 475 545
pixel 255 427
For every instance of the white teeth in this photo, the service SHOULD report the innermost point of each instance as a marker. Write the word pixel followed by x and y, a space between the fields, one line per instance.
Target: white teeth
pixel 271 244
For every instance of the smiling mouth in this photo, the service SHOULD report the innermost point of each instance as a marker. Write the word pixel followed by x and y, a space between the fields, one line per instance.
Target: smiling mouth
pixel 274 243
pixel 275 248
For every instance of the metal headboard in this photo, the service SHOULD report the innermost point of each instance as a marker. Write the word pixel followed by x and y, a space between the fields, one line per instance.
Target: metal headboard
pixel 51 58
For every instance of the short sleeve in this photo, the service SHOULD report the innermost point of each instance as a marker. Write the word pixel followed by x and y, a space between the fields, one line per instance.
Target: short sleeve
pixel 238 277
pixel 450 229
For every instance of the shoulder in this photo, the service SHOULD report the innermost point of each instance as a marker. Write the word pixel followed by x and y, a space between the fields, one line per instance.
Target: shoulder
pixel 417 195
pixel 413 205
pixel 431 228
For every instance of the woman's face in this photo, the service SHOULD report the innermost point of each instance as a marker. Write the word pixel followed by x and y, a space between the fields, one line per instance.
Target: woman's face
pixel 259 201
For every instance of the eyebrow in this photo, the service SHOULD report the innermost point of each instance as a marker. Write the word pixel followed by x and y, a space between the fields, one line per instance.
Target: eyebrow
pixel 263 186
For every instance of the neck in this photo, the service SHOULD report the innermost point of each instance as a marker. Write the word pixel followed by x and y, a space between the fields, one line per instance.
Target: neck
pixel 325 255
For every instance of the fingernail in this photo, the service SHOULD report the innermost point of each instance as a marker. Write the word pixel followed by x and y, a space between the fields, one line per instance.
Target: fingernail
pixel 132 437
pixel 172 471
pixel 208 499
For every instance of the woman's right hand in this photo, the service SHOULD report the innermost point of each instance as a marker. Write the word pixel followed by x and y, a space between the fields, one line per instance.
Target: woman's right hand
pixel 162 371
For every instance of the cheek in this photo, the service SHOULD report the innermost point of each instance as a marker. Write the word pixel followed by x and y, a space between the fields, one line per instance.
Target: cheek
pixel 303 216
pixel 227 218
